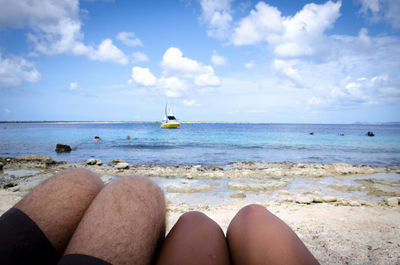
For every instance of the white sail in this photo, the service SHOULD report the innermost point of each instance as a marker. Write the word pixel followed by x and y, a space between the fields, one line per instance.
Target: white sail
pixel 168 112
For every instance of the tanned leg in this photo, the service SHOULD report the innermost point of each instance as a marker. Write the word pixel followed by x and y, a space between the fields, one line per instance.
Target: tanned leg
pixel 58 204
pixel 194 240
pixel 256 237
pixel 124 224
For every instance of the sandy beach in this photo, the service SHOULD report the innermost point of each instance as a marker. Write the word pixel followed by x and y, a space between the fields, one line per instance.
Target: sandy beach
pixel 344 214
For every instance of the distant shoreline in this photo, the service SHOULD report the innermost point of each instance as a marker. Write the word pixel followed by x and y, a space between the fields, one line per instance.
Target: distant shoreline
pixel 193 122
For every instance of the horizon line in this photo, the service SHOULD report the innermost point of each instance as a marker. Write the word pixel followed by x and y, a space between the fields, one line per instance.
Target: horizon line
pixel 196 122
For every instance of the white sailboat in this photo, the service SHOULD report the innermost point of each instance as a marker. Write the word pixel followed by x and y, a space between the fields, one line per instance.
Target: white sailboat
pixel 170 122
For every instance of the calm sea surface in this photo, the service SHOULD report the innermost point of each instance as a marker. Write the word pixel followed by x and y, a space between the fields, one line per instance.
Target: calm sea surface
pixel 206 144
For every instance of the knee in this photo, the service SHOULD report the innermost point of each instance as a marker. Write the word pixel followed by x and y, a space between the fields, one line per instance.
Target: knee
pixel 79 177
pixel 249 215
pixel 137 189
pixel 199 221
pixel 252 211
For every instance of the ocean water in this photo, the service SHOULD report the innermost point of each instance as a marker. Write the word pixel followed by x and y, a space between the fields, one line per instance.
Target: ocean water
pixel 205 144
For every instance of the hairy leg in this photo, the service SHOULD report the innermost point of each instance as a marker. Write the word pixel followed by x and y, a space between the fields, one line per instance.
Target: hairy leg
pixel 194 239
pixel 256 236
pixel 124 224
pixel 58 204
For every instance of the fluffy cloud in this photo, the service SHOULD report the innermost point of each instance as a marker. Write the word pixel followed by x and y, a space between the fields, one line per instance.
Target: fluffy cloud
pixel 364 72
pixel 174 63
pixel 300 35
pixel 139 57
pixel 217 59
pixel 173 86
pixel 143 76
pixel 217 14
pixel 375 90
pixel 15 70
pixel 180 74
pixel 129 39
pixel 56 28
pixel 287 69
pixel 377 10
pixel 249 65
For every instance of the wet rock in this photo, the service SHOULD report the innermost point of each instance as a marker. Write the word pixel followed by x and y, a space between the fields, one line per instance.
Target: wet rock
pixel 63 148
pixel 354 203
pixel 287 199
pixel 239 195
pixel 122 166
pixel 393 201
pixel 304 200
pixel 91 161
pixel 329 199
pixel 36 159
pixel 317 199
pixel 9 185
pixel 341 202
pixel 284 192
pixel 256 187
pixel 380 187
pixel 301 165
pixel 188 188
pixel 1 166
pixel 117 160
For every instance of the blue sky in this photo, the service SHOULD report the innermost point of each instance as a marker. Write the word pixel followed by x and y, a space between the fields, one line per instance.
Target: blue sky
pixel 213 60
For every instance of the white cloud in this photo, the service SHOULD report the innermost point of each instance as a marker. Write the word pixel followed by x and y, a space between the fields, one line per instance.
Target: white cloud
pixel 217 59
pixel 139 57
pixel 377 10
pixel 181 75
pixel 286 67
pixel 55 28
pixel 249 65
pixel 15 70
pixel 190 103
pixel 107 51
pixel 300 35
pixel 260 25
pixel 174 86
pixel 73 86
pixel 36 13
pixel 129 39
pixel 175 64
pixel 218 16
pixel 143 76
pixel 207 77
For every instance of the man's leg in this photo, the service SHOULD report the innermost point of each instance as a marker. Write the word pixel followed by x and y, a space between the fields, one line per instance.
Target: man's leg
pixel 256 236
pixel 124 224
pixel 194 240
pixel 41 224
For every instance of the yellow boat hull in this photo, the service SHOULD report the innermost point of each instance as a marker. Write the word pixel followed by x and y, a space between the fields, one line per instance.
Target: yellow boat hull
pixel 170 125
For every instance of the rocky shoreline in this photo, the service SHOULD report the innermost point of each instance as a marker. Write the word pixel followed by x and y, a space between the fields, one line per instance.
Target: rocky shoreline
pixel 344 213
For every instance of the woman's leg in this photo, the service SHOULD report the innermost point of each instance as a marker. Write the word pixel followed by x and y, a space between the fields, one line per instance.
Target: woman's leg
pixel 194 240
pixel 256 237
pixel 124 224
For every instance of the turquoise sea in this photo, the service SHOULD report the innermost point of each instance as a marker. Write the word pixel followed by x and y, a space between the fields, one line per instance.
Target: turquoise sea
pixel 208 144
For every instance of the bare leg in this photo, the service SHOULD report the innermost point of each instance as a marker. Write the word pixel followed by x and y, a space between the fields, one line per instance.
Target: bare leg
pixel 58 204
pixel 256 236
pixel 124 224
pixel 195 239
